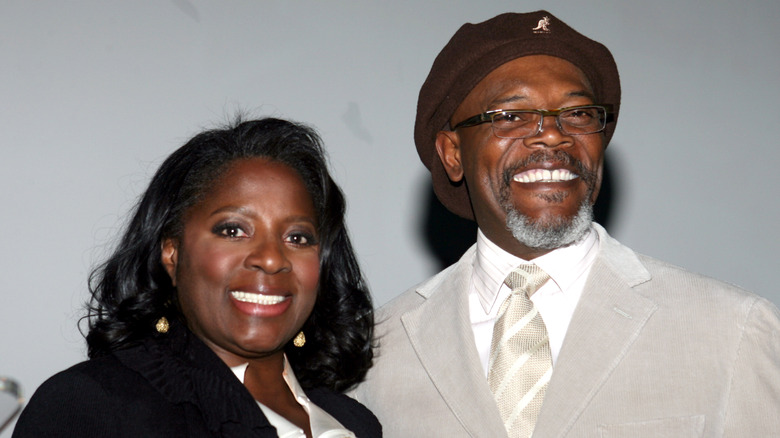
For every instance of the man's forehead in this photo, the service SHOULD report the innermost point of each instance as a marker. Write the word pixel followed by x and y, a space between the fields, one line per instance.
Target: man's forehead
pixel 519 79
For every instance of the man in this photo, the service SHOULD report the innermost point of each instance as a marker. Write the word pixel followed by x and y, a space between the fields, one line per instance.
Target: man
pixel 590 338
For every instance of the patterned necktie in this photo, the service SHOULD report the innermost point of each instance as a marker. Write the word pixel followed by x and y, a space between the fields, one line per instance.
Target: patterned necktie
pixel 520 359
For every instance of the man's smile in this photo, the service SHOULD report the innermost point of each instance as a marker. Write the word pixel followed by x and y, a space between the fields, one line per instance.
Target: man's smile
pixel 544 175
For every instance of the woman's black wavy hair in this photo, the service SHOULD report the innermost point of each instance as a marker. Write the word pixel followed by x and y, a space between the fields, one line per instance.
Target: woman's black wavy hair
pixel 132 290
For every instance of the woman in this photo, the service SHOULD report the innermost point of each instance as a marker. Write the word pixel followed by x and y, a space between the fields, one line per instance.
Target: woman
pixel 234 286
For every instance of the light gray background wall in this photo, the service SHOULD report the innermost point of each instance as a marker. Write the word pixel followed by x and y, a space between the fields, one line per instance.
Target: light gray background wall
pixel 94 94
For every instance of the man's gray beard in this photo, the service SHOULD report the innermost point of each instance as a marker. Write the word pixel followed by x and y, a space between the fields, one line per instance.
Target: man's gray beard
pixel 558 233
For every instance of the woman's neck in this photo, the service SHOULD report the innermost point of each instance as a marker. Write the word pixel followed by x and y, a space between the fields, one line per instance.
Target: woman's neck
pixel 264 379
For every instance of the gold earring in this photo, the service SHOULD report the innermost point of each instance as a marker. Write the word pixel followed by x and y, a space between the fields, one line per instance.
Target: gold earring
pixel 162 325
pixel 300 339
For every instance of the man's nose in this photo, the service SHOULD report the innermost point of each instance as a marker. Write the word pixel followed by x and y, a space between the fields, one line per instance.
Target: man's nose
pixel 550 135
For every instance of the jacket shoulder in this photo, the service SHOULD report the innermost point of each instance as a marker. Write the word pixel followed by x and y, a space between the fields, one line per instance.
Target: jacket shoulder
pixel 98 398
pixel 675 279
pixel 416 295
pixel 658 279
pixel 88 399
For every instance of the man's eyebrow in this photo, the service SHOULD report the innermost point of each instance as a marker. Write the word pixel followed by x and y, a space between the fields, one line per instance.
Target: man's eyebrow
pixel 583 93
pixel 519 98
pixel 508 99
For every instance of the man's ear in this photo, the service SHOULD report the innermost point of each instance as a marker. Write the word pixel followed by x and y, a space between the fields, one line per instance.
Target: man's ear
pixel 448 148
pixel 169 252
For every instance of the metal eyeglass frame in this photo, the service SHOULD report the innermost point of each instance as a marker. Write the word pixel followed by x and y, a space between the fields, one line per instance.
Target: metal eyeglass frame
pixel 490 115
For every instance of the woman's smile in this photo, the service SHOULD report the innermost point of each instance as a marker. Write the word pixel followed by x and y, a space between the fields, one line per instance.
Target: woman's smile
pixel 259 305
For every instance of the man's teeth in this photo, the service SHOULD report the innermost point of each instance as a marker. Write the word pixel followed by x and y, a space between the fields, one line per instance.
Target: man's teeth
pixel 544 175
pixel 265 300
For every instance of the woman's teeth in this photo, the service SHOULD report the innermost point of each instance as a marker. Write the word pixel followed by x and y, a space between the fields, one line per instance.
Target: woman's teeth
pixel 266 300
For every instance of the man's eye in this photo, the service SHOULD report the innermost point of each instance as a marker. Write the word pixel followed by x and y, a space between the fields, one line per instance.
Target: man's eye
pixel 583 114
pixel 512 117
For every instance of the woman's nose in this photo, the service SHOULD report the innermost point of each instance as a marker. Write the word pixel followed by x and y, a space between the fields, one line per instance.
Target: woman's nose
pixel 268 256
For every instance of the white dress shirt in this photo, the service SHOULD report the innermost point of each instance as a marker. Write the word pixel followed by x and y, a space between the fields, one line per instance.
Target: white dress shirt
pixel 322 424
pixel 568 269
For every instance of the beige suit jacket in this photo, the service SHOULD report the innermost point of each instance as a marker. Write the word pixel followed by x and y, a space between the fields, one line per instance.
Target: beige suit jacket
pixel 652 351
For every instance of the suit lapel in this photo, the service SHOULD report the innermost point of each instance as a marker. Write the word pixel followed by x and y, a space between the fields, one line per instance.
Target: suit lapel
pixel 441 335
pixel 607 321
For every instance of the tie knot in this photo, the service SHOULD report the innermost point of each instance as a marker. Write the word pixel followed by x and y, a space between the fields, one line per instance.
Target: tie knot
pixel 526 278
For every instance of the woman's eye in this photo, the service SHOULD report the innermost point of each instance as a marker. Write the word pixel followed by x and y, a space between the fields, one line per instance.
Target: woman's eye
pixel 302 239
pixel 230 230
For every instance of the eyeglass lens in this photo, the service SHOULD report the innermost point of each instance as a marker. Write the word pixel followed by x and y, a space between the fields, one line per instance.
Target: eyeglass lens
pixel 574 121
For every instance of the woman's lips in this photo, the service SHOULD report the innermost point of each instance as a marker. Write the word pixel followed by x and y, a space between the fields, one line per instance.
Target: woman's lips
pixel 262 305
pixel 255 298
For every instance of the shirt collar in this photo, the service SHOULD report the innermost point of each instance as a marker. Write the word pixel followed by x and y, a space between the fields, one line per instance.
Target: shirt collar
pixel 322 424
pixel 564 266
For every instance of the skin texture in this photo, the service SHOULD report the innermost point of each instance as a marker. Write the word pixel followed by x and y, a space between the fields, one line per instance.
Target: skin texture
pixel 254 231
pixel 488 163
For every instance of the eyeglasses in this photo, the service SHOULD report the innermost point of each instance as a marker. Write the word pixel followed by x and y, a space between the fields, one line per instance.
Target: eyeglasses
pixel 573 120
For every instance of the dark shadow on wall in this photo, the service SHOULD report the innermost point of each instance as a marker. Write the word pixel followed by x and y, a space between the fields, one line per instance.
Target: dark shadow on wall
pixel 447 236
pixel 604 208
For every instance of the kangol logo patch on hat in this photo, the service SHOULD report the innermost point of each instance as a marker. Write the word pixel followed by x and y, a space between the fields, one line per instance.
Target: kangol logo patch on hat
pixel 543 26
